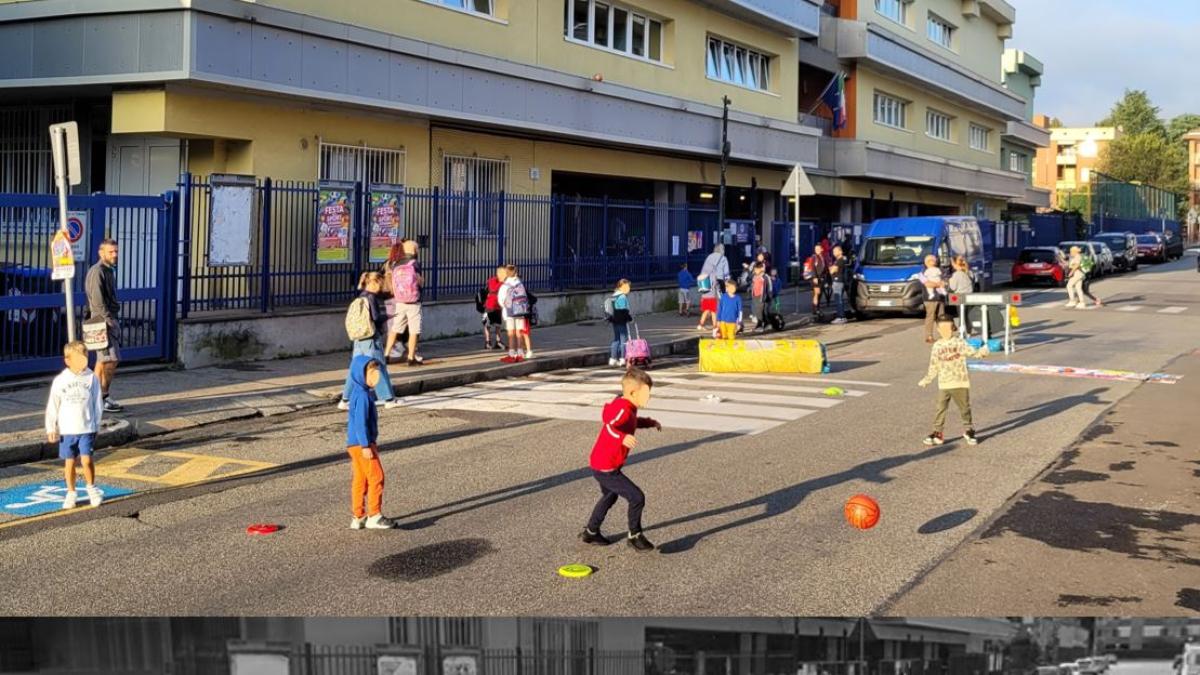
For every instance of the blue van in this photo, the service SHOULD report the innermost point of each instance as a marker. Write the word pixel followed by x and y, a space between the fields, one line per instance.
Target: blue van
pixel 893 254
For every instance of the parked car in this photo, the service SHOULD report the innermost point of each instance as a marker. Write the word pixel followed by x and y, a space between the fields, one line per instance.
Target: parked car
pixel 1174 244
pixel 1104 256
pixel 1088 249
pixel 1092 665
pixel 1152 247
pixel 1040 263
pixel 893 254
pixel 1188 663
pixel 1124 249
pixel 1071 668
pixel 1112 659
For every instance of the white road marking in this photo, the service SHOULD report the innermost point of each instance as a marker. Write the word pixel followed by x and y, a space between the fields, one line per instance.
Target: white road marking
pixel 1130 308
pixel 1172 310
pixel 700 383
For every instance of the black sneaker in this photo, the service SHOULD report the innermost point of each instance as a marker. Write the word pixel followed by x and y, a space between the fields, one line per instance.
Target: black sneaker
pixel 935 438
pixel 969 434
pixel 593 538
pixel 111 406
pixel 415 362
pixel 639 542
pixel 497 346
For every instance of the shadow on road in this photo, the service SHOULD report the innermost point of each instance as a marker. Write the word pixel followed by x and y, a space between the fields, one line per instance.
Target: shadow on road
pixel 1042 411
pixel 784 500
pixel 948 521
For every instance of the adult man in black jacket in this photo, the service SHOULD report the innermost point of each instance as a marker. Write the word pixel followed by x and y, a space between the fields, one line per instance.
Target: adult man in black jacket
pixel 101 289
pixel 843 276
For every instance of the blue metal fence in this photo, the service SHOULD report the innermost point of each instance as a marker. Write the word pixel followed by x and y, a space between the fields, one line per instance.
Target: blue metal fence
pixel 558 243
pixel 32 306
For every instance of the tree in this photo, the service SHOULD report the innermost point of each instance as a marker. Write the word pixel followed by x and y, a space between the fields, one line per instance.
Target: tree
pixel 1146 158
pixel 1135 114
pixel 1182 124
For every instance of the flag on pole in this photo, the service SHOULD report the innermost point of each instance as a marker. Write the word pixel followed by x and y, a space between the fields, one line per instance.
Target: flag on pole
pixel 835 99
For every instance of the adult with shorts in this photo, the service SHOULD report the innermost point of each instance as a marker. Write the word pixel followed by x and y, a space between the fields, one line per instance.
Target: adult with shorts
pixel 100 286
pixel 713 274
pixel 821 262
pixel 407 283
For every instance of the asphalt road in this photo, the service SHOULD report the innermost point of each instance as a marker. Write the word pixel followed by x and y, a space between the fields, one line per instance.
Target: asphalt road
pixel 749 522
pixel 1149 667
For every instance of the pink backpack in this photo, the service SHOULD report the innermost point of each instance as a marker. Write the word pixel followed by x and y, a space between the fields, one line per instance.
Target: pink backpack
pixel 404 283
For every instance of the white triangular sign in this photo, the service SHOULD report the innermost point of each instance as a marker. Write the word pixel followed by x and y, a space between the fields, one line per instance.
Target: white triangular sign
pixel 797 184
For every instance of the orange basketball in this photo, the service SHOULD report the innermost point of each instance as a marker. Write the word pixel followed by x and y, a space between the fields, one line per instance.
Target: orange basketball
pixel 862 512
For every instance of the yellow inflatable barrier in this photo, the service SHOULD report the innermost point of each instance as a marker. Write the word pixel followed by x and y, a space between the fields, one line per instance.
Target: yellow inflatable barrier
pixel 762 356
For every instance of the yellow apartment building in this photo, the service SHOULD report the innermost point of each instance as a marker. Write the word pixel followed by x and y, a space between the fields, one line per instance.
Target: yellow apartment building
pixel 1066 165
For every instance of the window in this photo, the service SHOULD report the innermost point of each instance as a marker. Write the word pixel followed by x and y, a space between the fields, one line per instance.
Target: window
pixel 427 632
pixel 937 125
pixel 1085 175
pixel 939 31
pixel 361 164
pixel 476 6
pixel 890 111
pixel 1016 162
pixel 614 27
pixel 896 10
pixel 979 137
pixel 472 186
pixel 734 63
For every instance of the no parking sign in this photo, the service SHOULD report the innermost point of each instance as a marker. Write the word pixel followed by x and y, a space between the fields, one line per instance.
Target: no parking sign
pixel 77 234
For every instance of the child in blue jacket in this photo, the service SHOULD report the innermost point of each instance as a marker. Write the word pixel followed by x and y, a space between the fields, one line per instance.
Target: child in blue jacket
pixel 362 430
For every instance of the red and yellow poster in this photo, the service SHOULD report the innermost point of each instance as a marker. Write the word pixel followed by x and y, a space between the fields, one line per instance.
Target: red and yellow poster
pixel 387 222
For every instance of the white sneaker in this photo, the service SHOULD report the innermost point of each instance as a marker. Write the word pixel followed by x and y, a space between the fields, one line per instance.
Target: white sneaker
pixel 612 362
pixel 69 501
pixel 529 354
pixel 700 327
pixel 1069 305
pixel 343 404
pixel 379 522
pixel 621 363
pixel 94 496
pixel 394 403
pixel 357 523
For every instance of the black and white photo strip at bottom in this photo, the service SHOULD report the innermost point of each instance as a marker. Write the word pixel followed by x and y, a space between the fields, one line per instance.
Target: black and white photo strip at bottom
pixel 600 646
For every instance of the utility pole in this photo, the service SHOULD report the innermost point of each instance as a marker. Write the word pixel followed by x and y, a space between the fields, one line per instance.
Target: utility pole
pixel 724 162
pixel 64 142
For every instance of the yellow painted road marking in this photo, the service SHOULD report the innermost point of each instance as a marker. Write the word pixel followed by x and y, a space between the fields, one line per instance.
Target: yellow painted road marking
pixel 123 463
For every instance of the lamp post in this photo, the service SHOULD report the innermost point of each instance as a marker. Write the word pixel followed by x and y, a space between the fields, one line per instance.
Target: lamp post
pixel 724 162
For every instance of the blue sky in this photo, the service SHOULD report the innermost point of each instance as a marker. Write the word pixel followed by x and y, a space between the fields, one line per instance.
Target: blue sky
pixel 1095 49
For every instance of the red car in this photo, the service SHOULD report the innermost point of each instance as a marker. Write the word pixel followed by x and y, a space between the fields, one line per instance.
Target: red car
pixel 1040 263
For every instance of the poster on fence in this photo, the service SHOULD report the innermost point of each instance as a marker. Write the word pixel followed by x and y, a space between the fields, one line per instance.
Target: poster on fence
pixel 230 219
pixel 387 220
pixel 695 240
pixel 335 213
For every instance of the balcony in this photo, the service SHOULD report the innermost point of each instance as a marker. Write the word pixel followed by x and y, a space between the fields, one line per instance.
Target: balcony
pixel 1066 159
pixel 876 47
pixel 1035 197
pixel 878 161
pixel 798 17
pixel 1029 134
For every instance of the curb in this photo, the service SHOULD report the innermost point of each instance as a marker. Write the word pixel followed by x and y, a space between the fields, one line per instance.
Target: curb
pixel 125 431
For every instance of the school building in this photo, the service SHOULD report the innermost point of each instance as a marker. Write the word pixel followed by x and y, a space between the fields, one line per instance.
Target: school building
pixel 507 646
pixel 586 98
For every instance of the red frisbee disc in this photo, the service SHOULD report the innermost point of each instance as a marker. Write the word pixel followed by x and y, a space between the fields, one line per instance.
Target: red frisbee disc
pixel 263 528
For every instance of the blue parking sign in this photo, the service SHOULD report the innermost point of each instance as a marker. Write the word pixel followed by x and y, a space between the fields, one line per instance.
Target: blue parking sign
pixel 38 498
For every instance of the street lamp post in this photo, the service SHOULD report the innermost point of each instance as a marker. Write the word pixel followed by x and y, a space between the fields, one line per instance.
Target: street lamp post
pixel 724 162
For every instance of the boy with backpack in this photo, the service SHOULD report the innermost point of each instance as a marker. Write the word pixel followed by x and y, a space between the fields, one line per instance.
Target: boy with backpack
pixel 516 307
pixel 366 326
pixel 487 303
pixel 611 449
pixel 948 364
pixel 406 291
pixel 686 283
pixel 73 419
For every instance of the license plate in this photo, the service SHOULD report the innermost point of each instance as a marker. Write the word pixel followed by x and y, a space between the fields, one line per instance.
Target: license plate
pixel 885 303
pixel 885 289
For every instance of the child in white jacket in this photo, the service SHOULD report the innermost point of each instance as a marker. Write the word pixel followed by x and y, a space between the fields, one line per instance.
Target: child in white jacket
pixel 73 418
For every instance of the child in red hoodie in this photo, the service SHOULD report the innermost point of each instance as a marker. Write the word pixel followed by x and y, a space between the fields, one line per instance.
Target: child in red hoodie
pixel 608 456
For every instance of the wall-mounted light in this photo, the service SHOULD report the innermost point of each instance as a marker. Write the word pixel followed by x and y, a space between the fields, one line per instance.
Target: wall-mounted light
pixel 741 198
pixel 706 195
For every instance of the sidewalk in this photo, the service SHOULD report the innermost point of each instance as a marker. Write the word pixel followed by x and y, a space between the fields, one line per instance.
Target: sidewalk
pixel 161 401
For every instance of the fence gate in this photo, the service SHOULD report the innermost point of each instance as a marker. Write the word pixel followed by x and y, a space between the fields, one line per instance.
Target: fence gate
pixel 32 306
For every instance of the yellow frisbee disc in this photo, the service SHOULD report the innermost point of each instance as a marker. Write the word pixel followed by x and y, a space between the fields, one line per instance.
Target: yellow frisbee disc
pixel 834 391
pixel 575 571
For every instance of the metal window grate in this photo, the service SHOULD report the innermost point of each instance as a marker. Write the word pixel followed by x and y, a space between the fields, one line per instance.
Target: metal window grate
pixel 25 161
pixel 426 632
pixel 472 184
pixel 362 164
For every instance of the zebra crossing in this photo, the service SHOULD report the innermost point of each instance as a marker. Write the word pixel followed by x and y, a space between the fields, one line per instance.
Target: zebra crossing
pixel 1116 307
pixel 744 404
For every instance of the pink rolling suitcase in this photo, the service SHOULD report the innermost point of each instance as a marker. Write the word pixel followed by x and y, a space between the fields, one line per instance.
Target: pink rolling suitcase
pixel 637 350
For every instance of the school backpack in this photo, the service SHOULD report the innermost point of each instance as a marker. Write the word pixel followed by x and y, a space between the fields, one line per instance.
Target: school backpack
pixel 359 325
pixel 610 308
pixel 518 301
pixel 809 271
pixel 1087 263
pixel 481 300
pixel 404 283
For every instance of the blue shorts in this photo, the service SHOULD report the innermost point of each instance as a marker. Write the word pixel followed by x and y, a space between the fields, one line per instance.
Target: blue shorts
pixel 72 446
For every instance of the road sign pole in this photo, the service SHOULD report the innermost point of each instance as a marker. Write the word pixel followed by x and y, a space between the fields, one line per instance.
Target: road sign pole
pixel 59 138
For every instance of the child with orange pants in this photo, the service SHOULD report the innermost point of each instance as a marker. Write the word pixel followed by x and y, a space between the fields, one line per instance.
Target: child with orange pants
pixel 362 429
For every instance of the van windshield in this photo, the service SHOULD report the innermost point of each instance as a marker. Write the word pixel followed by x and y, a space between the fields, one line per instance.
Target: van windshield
pixel 897 250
